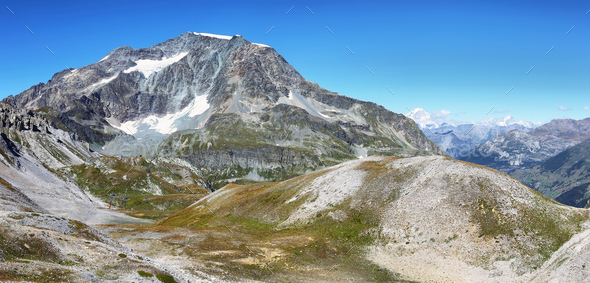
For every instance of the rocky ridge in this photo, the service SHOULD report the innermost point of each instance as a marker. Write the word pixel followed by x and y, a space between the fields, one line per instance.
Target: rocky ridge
pixel 41 138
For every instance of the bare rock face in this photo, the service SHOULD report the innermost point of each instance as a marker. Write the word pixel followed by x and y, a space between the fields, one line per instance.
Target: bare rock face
pixel 32 133
pixel 232 104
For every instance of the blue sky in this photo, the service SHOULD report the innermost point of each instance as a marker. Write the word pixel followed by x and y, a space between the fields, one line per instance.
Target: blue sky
pixel 460 56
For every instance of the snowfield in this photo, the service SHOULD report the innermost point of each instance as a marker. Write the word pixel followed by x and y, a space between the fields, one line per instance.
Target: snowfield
pixel 166 124
pixel 149 67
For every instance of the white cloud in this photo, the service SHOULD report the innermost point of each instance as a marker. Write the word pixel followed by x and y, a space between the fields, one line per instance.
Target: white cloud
pixel 444 112
pixel 436 119
pixel 585 107
pixel 424 118
pixel 563 108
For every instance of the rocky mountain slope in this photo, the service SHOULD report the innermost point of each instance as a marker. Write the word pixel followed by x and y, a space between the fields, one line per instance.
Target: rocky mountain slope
pixel 43 187
pixel 43 213
pixel 518 149
pixel 32 150
pixel 419 219
pixel 202 87
pixel 41 138
pixel 564 177
pixel 39 240
pixel 567 129
pixel 11 199
pixel 40 247
pixel 569 263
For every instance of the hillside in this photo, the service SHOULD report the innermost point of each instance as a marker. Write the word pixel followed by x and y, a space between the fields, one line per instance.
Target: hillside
pixel 168 187
pixel 421 218
pixel 41 138
pixel 43 237
pixel 564 177
pixel 31 184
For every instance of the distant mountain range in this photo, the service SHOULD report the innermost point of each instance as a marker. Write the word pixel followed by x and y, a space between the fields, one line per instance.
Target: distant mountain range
pixel 518 149
pixel 460 139
pixel 549 158
pixel 222 103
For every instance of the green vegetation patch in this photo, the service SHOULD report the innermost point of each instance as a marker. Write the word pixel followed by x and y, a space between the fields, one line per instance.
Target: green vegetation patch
pixel 42 275
pixel 548 224
pixel 165 278
pixel 144 274
pixel 491 223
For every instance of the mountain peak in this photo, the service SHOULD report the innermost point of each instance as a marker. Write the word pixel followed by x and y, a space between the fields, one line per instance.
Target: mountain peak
pixel 418 115
pixel 218 90
pixel 225 37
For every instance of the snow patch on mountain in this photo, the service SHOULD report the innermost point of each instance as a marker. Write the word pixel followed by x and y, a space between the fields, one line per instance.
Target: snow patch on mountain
pixel 168 123
pixel 227 37
pixel 148 67
pixel 427 120
pixel 261 45
pixel 507 121
pixel 295 99
pixel 101 82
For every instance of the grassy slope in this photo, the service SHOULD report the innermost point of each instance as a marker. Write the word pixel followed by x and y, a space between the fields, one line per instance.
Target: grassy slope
pixel 168 187
pixel 540 227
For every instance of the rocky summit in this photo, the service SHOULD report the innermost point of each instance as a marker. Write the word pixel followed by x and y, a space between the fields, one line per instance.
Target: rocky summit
pixel 234 108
